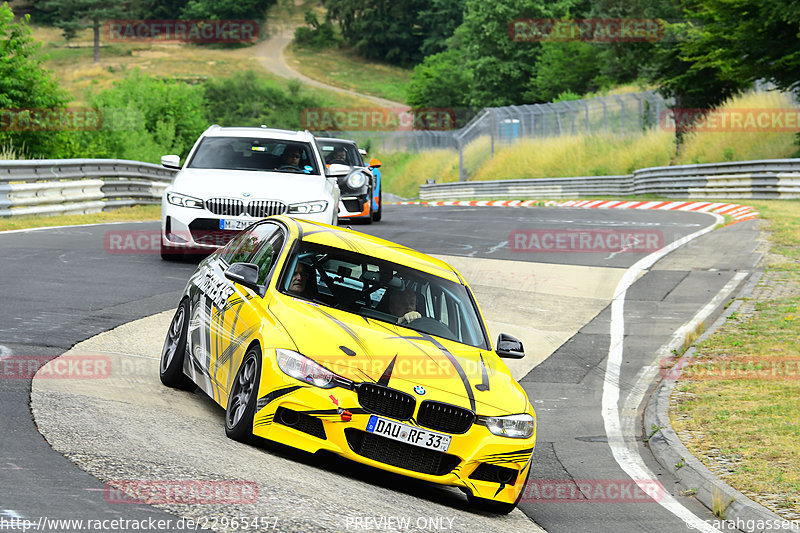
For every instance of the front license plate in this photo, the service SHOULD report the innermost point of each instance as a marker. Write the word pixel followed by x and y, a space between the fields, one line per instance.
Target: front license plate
pixel 410 434
pixel 228 223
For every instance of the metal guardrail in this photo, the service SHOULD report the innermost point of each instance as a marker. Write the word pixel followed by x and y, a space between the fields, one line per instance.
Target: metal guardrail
pixel 68 186
pixel 769 178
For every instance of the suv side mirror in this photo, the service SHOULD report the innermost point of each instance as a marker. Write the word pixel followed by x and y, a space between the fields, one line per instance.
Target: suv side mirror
pixel 171 161
pixel 338 170
pixel 509 347
pixel 246 275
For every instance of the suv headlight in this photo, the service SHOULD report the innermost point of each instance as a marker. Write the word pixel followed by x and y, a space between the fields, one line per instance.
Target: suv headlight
pixel 184 200
pixel 304 369
pixel 356 180
pixel 308 207
pixel 514 426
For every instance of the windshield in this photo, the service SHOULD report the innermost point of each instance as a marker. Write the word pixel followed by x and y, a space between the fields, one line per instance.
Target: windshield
pixel 243 153
pixel 340 153
pixel 384 291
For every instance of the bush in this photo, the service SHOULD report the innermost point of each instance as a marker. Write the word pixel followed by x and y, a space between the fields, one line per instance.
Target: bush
pixel 316 35
pixel 247 99
pixel 25 84
pixel 143 118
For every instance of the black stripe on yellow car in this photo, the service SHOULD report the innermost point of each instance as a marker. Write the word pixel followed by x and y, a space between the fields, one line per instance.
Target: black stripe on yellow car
pixel 277 393
pixel 483 386
pixel 387 374
pixel 348 330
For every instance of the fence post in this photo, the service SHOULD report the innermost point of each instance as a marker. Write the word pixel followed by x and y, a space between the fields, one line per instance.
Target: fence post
pixel 621 114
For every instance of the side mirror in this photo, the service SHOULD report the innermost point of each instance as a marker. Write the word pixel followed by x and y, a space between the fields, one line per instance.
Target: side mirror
pixel 509 347
pixel 246 275
pixel 171 161
pixel 362 152
pixel 338 170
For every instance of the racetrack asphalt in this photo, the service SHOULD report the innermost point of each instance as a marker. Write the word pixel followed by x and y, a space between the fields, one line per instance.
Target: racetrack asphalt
pixel 61 286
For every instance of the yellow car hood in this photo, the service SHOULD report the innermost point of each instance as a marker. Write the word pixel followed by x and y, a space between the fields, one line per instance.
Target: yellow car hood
pixel 367 350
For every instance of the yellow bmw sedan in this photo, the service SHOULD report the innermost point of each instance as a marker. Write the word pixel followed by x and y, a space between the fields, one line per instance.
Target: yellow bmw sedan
pixel 326 339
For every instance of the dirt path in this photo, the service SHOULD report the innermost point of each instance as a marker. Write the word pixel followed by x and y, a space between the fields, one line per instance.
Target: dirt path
pixel 269 54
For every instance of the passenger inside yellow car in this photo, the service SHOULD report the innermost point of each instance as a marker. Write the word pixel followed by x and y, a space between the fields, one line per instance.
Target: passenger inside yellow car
pixel 303 283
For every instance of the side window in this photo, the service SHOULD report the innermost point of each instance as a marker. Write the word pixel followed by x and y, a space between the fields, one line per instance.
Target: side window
pixel 246 247
pixel 266 255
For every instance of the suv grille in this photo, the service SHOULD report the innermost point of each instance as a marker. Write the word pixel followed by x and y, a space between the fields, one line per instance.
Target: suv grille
pixel 225 206
pixel 385 401
pixel 265 208
pixel 445 417
pixel 231 207
pixel 400 454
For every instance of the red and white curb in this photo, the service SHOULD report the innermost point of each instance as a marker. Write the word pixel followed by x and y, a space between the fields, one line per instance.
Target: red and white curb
pixel 739 213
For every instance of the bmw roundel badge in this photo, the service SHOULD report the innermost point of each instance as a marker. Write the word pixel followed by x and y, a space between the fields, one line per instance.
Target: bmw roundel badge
pixel 246 194
pixel 419 390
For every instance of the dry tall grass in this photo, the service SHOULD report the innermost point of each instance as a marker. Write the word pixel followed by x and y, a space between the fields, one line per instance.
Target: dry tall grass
pixel 716 145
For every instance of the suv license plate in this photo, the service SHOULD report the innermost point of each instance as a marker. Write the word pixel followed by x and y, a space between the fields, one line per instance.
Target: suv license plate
pixel 229 223
pixel 409 434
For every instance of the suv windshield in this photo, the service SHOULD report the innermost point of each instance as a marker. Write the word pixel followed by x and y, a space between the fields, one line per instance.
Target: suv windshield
pixel 340 153
pixel 380 290
pixel 244 153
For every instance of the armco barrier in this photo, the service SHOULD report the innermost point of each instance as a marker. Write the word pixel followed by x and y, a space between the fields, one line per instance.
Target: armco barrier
pixel 771 178
pixel 60 186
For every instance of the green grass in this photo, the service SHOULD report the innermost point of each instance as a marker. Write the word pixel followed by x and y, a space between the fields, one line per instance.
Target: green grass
pixel 77 72
pixel 342 68
pixel 123 214
pixel 742 390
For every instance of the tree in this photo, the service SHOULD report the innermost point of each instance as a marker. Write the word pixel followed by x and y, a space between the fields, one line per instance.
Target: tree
pixel 721 49
pixel 565 66
pixel 386 30
pixel 226 9
pixel 74 15
pixel 25 84
pixel 438 21
pixel 502 68
pixel 440 81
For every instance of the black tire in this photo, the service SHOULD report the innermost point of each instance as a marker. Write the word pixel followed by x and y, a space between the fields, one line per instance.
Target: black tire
pixel 485 504
pixel 377 215
pixel 243 397
pixel 368 219
pixel 174 351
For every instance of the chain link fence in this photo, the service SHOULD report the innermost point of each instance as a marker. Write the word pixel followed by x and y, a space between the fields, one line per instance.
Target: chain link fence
pixel 623 114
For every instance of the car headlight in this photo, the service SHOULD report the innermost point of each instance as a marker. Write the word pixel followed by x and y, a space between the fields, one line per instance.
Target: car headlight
pixel 308 207
pixel 184 201
pixel 356 180
pixel 304 369
pixel 514 426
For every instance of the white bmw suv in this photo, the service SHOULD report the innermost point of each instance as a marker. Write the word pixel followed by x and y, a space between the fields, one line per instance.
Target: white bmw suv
pixel 236 176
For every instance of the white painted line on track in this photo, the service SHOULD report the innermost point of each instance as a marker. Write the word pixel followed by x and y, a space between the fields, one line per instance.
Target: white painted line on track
pixel 624 452
pixel 26 230
pixel 4 352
